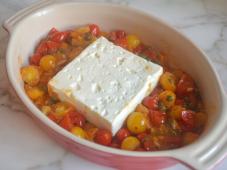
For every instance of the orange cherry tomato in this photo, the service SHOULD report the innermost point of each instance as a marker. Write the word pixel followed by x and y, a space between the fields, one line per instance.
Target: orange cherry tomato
pixel 103 137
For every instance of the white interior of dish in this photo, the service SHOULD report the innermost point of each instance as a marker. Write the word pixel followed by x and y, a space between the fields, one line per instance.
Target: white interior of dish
pixel 151 30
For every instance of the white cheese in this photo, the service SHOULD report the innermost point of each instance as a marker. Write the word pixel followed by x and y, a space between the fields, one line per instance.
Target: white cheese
pixel 106 82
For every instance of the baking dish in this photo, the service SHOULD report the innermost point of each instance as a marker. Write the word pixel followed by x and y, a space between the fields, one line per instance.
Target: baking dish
pixel 29 25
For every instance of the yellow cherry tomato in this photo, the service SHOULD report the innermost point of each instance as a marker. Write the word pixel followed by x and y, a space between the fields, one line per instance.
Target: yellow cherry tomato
pixel 130 143
pixel 137 122
pixel 167 98
pixel 168 81
pixel 47 62
pixel 34 92
pixel 79 132
pixel 30 75
pixel 61 109
pixel 132 41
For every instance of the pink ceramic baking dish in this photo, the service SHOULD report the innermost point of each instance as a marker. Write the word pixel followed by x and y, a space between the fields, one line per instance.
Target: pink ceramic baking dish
pixel 29 25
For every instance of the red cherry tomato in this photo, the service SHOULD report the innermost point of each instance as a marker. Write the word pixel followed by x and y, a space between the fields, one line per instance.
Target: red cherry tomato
pixel 52 46
pixel 34 59
pixel 188 117
pixel 120 34
pixel 157 117
pixel 103 137
pixel 185 86
pixel 58 36
pixel 142 136
pixel 139 49
pixel 151 54
pixel 151 102
pixel 149 145
pixel 42 48
pixel 52 31
pixel 94 29
pixel 122 42
pixel 66 122
pixel 77 118
pixel 52 117
pixel 122 134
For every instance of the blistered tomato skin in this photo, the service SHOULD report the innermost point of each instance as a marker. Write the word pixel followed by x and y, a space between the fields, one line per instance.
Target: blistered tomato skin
pixel 170 117
pixel 122 134
pixel 151 102
pixel 157 118
pixel 103 137
pixel 94 29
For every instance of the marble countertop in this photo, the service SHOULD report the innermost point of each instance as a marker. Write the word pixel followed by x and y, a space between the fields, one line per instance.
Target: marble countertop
pixel 24 146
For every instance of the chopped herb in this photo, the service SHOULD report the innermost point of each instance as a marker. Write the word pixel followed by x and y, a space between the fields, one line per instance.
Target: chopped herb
pixel 161 106
pixel 169 98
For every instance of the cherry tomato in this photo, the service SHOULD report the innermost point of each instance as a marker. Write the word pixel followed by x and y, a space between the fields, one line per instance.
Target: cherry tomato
pixel 79 132
pixel 157 118
pixel 122 134
pixel 130 143
pixel 139 49
pixel 66 122
pixel 149 145
pixel 151 54
pixel 168 81
pixel 77 118
pixel 122 42
pixel 142 136
pixel 103 137
pixel 185 85
pixel 52 46
pixel 137 122
pixel 30 74
pixel 188 117
pixel 94 29
pixel 42 48
pixel 52 31
pixel 34 59
pixel 53 117
pixel 57 36
pixel 151 102
pixel 120 34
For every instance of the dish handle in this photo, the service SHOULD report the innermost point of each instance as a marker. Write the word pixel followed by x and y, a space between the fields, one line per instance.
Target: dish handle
pixel 207 157
pixel 10 23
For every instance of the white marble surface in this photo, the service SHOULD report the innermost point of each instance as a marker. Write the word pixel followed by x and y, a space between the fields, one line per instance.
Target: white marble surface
pixel 24 146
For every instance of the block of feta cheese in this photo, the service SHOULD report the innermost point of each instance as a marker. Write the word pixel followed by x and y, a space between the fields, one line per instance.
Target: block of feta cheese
pixel 106 83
